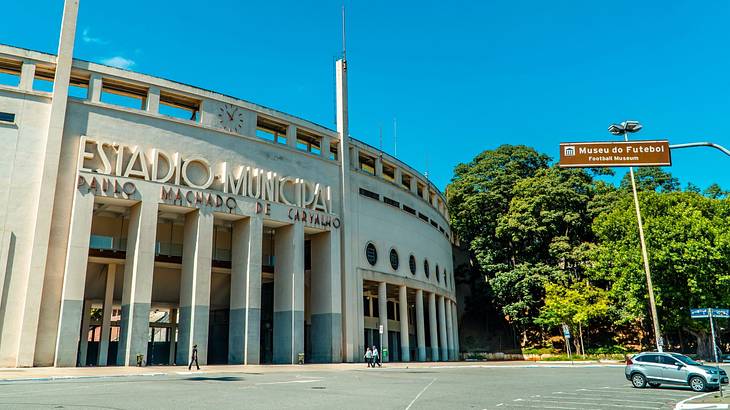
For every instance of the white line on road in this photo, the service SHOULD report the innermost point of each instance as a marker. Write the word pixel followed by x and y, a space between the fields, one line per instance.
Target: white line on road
pixel 604 398
pixel 610 397
pixel 590 404
pixel 420 393
pixel 679 405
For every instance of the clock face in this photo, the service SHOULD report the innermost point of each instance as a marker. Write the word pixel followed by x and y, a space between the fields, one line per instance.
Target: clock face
pixel 230 118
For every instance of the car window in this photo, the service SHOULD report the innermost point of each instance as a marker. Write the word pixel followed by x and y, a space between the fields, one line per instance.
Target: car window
pixel 669 360
pixel 685 359
pixel 649 358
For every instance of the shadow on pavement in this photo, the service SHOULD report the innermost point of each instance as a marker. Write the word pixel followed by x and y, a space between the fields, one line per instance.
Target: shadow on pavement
pixel 215 379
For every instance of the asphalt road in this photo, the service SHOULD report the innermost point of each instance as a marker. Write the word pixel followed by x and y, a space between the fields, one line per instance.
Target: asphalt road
pixel 498 387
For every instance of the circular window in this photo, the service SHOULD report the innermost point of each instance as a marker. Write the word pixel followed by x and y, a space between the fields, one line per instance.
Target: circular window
pixel 412 264
pixel 371 254
pixel 425 268
pixel 437 274
pixel 394 259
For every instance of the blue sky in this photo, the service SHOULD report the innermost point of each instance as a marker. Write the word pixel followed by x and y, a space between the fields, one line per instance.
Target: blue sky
pixel 460 77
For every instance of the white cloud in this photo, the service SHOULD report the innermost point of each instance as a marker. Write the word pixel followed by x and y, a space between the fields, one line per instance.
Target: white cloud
pixel 119 62
pixel 86 38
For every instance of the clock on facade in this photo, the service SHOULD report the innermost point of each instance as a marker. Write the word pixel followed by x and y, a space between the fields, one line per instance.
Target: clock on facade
pixel 230 118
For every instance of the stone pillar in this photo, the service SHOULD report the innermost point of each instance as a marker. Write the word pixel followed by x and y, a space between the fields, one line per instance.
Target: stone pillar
pixel 324 147
pixel 444 353
pixel 449 331
pixel 291 136
pixel 434 328
pixel 383 313
pixel 153 100
pixel 27 75
pixel 95 85
pixel 137 292
pixel 398 177
pixel 195 286
pixel 405 343
pixel 245 317
pixel 325 300
pixel 414 185
pixel 74 279
pixel 355 157
pixel 455 327
pixel 84 335
pixel 420 328
pixel 289 293
pixel 173 340
pixel 106 321
pixel 378 165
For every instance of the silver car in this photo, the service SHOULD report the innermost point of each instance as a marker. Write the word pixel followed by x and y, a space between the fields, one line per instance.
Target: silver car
pixel 655 368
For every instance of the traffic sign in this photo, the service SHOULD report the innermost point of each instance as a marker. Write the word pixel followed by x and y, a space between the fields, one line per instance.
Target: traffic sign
pixel 566 331
pixel 721 313
pixel 614 154
pixel 699 313
pixel 381 329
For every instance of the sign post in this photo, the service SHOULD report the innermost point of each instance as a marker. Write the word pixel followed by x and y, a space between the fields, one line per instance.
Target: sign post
pixel 566 334
pixel 711 313
pixel 380 330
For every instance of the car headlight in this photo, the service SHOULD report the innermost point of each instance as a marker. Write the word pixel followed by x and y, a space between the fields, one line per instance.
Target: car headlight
pixel 711 371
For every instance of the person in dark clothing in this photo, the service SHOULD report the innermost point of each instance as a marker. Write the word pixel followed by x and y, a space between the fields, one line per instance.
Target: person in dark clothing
pixel 194 358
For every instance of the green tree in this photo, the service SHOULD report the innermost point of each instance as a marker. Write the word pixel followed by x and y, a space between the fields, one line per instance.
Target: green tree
pixel 651 179
pixel 715 192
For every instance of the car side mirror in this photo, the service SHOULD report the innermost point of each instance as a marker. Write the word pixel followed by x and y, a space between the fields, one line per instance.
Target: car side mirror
pixel 679 365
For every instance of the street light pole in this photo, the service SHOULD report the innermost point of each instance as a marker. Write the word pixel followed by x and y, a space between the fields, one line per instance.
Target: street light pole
pixel 645 257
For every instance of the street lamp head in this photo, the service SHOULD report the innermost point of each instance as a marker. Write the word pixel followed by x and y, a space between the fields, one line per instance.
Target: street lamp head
pixel 616 129
pixel 631 126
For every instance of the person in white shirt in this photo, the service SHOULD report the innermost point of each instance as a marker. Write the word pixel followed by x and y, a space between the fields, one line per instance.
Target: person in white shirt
pixel 369 357
pixel 376 357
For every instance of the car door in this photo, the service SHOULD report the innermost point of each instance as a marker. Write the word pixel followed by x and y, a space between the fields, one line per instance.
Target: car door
pixel 651 366
pixel 673 370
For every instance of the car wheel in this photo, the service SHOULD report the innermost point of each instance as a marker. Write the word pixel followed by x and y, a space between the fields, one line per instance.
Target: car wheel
pixel 697 383
pixel 652 384
pixel 638 380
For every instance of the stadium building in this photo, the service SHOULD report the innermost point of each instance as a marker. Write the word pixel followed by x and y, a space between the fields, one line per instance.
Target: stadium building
pixel 141 216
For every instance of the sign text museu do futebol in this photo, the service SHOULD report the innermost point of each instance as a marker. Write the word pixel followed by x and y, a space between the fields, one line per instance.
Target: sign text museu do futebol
pixel 615 154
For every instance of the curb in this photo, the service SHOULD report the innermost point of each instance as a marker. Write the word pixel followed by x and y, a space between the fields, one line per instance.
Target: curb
pixel 58 378
pixel 684 405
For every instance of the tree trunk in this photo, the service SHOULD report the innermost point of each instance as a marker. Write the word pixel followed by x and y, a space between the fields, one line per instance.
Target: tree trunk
pixel 582 346
pixel 704 343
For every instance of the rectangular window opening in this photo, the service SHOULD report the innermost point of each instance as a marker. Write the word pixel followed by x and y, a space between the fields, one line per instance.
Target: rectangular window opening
pixel 10 72
pixel 123 94
pixel 405 181
pixel 7 117
pixel 391 202
pixel 43 80
pixel 422 216
pixel 270 130
pixel 409 209
pixel 333 155
pixel 369 194
pixel 367 164
pixel 309 142
pixel 419 189
pixel 388 172
pixel 179 106
pixel 78 87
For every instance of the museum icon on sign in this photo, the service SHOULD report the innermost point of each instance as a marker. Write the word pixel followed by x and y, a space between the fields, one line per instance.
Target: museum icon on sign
pixel 569 151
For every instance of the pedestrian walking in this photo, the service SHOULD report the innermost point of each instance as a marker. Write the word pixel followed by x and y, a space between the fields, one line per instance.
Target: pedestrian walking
pixel 194 358
pixel 376 357
pixel 369 357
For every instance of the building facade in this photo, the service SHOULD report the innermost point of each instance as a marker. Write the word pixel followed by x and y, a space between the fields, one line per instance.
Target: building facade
pixel 140 217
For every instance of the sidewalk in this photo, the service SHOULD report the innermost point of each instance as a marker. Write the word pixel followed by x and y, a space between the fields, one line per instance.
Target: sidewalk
pixel 58 373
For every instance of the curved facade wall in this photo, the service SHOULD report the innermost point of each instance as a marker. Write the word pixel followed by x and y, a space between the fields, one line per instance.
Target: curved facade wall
pixel 142 216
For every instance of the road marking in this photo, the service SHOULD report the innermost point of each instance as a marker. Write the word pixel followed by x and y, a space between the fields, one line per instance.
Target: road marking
pixel 662 391
pixel 679 405
pixel 636 397
pixel 420 393
pixel 591 404
pixel 605 398
pixel 290 381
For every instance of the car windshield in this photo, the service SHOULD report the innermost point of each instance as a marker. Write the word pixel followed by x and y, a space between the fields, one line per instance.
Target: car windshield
pixel 684 359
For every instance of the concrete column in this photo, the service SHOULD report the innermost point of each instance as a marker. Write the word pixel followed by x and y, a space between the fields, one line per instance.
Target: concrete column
pixel 355 157
pixel 291 136
pixel 173 340
pixel 455 328
pixel 195 286
pixel 289 293
pixel 383 313
pixel 106 321
pixel 398 175
pixel 449 330
pixel 245 317
pixel 95 84
pixel 378 166
pixel 84 334
pixel 324 146
pixel 433 327
pixel 444 352
pixel 137 290
pixel 405 343
pixel 153 100
pixel 420 328
pixel 414 185
pixel 325 298
pixel 74 280
pixel 27 75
